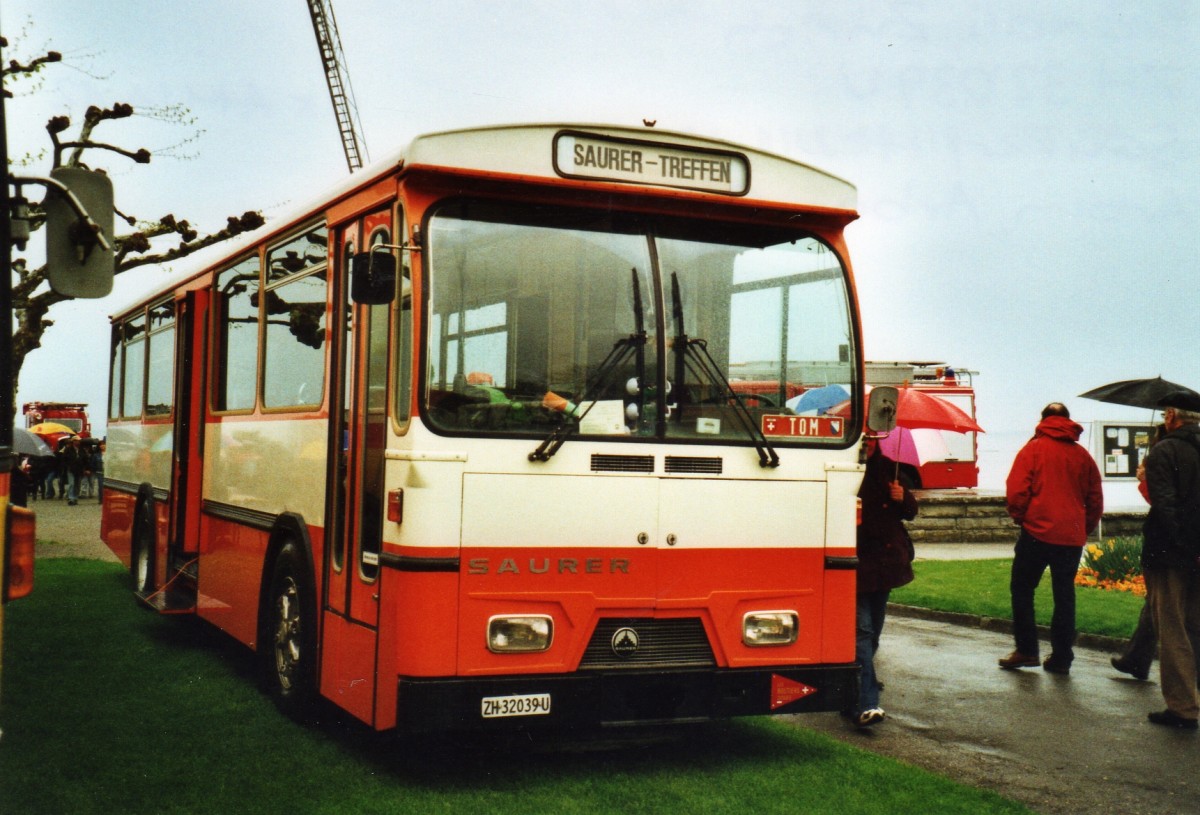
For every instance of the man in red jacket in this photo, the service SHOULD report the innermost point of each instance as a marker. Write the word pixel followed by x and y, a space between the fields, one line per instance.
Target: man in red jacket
pixel 1054 493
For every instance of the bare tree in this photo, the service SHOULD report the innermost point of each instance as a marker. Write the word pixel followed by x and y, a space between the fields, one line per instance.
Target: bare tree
pixel 146 242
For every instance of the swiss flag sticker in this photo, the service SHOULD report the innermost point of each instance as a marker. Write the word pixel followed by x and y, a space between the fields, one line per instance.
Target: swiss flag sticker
pixel 784 691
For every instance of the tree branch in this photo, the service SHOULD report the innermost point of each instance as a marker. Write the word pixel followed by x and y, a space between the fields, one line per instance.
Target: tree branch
pixel 94 116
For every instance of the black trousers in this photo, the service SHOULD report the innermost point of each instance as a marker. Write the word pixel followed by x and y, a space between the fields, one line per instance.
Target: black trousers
pixel 1031 557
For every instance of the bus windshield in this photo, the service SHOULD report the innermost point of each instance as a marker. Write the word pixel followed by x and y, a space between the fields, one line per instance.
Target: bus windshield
pixel 627 326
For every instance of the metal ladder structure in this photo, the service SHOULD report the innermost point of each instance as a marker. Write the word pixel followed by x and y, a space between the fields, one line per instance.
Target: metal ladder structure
pixel 333 60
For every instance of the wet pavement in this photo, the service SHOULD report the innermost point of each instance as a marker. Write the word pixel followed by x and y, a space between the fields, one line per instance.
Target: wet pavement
pixel 1060 744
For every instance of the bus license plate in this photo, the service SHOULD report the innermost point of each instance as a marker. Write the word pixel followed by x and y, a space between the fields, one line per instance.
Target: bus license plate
pixel 532 704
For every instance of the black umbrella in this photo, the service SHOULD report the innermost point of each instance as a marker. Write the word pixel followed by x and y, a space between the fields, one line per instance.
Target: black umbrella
pixel 29 444
pixel 1143 393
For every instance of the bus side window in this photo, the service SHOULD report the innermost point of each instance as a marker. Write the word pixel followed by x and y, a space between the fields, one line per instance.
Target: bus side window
pixel 134 376
pixel 237 328
pixel 161 383
pixel 295 315
pixel 116 373
pixel 294 352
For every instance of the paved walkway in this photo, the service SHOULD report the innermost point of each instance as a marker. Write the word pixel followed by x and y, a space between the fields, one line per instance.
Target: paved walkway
pixel 964 551
pixel 69 531
pixel 1060 744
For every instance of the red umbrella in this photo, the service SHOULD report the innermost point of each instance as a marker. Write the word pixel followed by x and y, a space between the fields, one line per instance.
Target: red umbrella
pixel 916 408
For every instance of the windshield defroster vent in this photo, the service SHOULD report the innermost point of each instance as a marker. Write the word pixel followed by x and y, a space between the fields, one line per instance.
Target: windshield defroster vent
pixel 602 463
pixel 710 465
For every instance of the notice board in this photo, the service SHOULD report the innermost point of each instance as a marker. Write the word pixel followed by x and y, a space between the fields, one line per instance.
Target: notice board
pixel 1121 447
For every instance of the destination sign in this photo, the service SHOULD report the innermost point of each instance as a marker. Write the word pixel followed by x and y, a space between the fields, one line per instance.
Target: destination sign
pixel 813 427
pixel 579 155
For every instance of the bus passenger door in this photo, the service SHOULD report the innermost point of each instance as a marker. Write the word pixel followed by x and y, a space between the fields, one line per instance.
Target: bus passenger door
pixel 355 503
pixel 188 430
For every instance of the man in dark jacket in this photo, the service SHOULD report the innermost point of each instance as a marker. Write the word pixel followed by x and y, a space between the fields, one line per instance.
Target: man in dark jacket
pixel 884 563
pixel 1171 556
pixel 73 465
pixel 1054 493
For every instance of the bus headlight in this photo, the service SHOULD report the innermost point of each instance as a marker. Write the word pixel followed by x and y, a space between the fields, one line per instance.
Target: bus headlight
pixel 519 633
pixel 770 628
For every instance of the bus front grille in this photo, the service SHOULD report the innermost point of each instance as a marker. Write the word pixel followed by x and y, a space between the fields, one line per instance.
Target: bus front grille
pixel 675 643
pixel 691 464
pixel 603 463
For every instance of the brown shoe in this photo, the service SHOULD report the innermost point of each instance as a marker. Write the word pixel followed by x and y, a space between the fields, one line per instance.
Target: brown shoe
pixel 1018 660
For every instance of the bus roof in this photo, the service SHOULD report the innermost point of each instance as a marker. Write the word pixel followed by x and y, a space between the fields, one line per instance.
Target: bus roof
pixel 666 159
pixel 659 160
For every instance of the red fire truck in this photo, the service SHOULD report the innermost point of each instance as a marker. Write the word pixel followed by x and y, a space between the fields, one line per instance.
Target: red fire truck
pixel 69 414
pixel 948 460
pixel 954 456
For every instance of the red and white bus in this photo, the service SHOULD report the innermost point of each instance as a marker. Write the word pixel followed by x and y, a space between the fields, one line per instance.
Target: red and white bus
pixel 454 446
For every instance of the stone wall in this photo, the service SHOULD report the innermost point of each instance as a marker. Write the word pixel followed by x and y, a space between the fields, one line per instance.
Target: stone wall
pixel 961 516
pixel 972 516
pixel 1121 524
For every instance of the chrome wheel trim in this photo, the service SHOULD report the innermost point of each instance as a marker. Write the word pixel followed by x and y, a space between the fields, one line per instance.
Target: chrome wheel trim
pixel 145 541
pixel 288 653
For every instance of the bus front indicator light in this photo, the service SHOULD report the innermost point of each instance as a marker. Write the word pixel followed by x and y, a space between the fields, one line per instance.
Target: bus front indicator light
pixel 762 628
pixel 520 634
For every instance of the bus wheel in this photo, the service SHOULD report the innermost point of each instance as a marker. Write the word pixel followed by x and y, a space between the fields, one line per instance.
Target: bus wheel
pixel 142 563
pixel 288 645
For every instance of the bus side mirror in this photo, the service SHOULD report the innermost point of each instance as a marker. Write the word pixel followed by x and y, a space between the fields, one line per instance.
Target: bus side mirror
pixel 79 252
pixel 881 410
pixel 373 278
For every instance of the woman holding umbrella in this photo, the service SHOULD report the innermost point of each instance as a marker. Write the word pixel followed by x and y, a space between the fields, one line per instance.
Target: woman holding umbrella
pixel 884 563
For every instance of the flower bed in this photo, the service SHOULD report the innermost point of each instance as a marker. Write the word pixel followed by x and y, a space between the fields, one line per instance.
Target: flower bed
pixel 1115 565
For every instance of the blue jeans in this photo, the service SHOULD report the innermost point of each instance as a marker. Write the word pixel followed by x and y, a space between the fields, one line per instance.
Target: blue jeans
pixel 871 610
pixel 1030 559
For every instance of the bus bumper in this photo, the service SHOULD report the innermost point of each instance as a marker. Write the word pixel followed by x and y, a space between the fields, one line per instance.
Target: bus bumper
pixel 614 699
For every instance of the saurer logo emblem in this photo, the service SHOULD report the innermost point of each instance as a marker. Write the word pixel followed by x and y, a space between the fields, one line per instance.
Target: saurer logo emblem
pixel 624 642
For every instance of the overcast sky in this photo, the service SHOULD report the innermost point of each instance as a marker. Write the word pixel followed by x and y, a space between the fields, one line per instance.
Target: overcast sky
pixel 1027 171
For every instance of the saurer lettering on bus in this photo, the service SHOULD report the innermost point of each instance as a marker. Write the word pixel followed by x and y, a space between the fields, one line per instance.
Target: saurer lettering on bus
pixel 565 565
pixel 624 160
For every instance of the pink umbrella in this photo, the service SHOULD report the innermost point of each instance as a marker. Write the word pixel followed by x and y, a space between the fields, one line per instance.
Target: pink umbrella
pixel 914 447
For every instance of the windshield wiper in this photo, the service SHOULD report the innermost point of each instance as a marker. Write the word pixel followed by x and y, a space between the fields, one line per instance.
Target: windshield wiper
pixel 680 347
pixel 695 351
pixel 634 344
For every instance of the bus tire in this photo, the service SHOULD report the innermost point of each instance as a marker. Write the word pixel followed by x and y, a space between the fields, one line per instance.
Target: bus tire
pixel 141 563
pixel 288 643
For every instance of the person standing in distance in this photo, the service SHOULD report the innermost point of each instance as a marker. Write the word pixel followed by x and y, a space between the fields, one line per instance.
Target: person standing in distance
pixel 1171 556
pixel 1053 492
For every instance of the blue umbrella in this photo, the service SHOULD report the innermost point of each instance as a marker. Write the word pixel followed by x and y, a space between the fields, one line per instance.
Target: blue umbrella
pixel 817 400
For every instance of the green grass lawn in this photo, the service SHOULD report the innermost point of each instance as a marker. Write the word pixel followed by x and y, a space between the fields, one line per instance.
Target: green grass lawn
pixel 109 708
pixel 981 587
